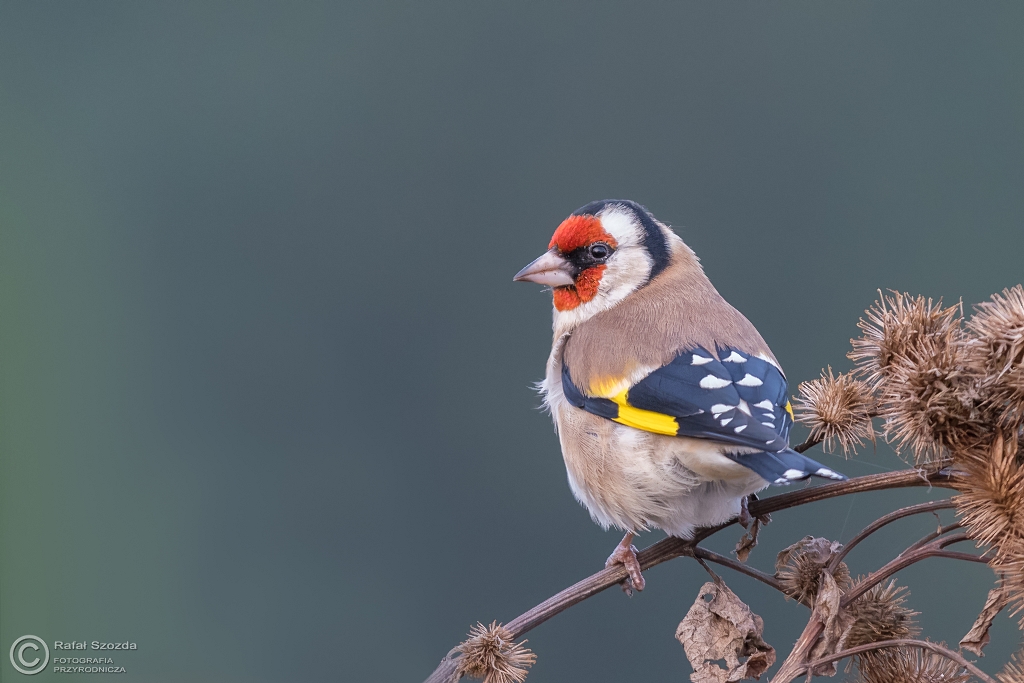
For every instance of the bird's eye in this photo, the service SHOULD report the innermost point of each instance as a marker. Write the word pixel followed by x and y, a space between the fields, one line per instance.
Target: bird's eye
pixel 599 250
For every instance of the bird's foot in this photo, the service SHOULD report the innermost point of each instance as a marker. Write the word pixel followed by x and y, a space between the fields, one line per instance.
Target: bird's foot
pixel 625 554
pixel 745 519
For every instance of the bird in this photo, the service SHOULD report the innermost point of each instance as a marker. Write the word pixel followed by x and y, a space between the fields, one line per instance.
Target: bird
pixel 670 408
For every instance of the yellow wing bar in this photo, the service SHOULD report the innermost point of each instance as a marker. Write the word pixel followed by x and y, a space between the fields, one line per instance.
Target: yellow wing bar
pixel 647 420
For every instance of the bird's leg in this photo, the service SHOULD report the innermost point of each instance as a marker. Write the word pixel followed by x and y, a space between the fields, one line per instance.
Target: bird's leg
pixel 625 554
pixel 745 519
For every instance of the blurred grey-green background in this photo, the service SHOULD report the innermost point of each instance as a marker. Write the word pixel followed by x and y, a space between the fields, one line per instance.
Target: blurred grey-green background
pixel 266 405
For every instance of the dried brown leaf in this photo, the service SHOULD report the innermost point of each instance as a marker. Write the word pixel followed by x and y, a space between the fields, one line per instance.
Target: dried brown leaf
pixel 748 541
pixel 719 626
pixel 977 638
pixel 835 623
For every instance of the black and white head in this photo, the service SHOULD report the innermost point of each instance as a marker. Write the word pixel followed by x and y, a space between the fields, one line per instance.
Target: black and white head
pixel 599 255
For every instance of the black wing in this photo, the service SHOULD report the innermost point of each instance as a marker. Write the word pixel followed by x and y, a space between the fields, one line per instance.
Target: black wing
pixel 740 400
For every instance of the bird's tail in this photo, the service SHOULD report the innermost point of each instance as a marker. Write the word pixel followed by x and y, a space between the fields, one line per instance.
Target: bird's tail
pixel 785 466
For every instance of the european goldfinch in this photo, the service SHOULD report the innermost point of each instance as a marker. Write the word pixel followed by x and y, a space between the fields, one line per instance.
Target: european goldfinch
pixel 669 406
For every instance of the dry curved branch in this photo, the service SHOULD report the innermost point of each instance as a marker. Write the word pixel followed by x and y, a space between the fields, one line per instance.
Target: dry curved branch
pixel 933 506
pixel 807 445
pixel 903 642
pixel 935 548
pixel 710 556
pixel 941 531
pixel 670 548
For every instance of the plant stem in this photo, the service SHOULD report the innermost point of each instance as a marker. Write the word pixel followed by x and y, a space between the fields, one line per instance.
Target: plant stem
pixel 670 548
pixel 710 556
pixel 903 642
pixel 888 519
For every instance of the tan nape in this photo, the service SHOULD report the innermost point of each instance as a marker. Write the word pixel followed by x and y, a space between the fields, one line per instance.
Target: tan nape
pixel 679 310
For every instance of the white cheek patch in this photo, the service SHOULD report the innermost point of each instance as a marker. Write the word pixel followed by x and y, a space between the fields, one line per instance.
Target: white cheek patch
pixel 619 224
pixel 627 270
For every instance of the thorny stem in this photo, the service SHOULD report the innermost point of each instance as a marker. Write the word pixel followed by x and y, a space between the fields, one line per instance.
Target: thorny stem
pixel 883 521
pixel 670 548
pixel 941 531
pixel 807 445
pixel 902 642
pixel 933 549
pixel 705 554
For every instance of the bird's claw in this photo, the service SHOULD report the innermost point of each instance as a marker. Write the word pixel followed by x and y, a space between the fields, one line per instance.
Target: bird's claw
pixel 626 556
pixel 745 518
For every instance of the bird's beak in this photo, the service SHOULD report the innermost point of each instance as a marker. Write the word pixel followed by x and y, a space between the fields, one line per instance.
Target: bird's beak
pixel 550 269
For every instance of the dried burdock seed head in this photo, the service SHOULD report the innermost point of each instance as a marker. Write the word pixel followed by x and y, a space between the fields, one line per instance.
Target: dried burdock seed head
pixel 893 323
pixel 928 401
pixel 991 500
pixel 838 410
pixel 492 654
pixel 798 568
pixel 1013 672
pixel 1012 569
pixel 909 665
pixel 880 614
pixel 927 395
pixel 913 353
pixel 996 354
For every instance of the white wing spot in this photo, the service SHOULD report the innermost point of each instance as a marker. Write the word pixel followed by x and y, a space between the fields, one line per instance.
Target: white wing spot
pixel 769 424
pixel 749 381
pixel 744 407
pixel 726 421
pixel 764 356
pixel 781 480
pixel 793 474
pixel 739 429
pixel 720 408
pixel 826 472
pixel 765 404
pixel 734 358
pixel 701 360
pixel 712 382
